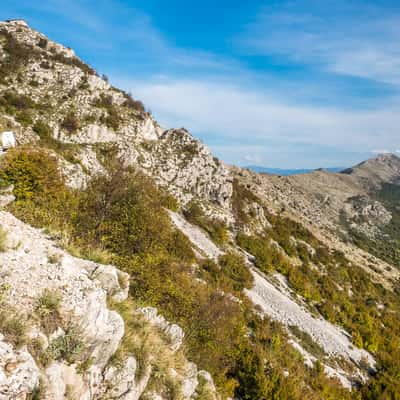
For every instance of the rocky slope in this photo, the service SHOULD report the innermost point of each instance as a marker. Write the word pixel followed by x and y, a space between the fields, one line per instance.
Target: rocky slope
pixel 68 333
pixel 331 203
pixel 322 196
pixel 308 222
pixel 90 112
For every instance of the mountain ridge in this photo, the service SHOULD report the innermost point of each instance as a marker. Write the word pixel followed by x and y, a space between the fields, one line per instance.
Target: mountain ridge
pixel 278 286
pixel 289 171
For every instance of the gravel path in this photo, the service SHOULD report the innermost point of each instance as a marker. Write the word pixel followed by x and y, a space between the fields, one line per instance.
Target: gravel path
pixel 335 341
pixel 195 235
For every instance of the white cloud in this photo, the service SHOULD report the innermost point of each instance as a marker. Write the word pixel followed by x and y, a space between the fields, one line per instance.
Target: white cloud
pixel 238 112
pixel 350 38
pixel 384 151
pixel 253 158
pixel 240 116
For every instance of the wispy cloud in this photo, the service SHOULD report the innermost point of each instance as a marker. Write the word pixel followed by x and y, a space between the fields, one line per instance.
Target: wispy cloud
pixel 381 151
pixel 223 113
pixel 269 116
pixel 353 38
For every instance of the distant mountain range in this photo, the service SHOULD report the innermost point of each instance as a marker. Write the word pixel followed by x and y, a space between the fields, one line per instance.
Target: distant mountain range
pixel 279 171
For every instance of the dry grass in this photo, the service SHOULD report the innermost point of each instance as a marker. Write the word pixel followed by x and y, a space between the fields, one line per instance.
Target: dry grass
pixel 54 258
pixel 92 254
pixel 47 309
pixel 3 240
pixel 150 348
pixel 13 327
pixel 203 390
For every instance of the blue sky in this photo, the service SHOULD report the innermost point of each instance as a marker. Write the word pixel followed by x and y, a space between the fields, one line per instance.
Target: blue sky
pixel 285 84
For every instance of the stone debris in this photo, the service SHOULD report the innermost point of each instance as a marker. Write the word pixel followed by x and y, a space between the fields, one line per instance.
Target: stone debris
pixel 173 331
pixel 281 307
pixel 33 264
pixel 19 373
pixel 198 237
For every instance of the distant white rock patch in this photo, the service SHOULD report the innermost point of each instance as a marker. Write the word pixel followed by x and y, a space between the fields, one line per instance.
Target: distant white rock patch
pixel 195 235
pixel 281 307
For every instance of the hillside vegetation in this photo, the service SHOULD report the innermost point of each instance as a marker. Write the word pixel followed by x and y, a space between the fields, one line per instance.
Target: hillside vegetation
pixel 97 174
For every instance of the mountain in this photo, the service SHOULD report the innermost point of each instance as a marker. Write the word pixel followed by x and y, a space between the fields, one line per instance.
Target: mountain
pixel 134 264
pixel 280 171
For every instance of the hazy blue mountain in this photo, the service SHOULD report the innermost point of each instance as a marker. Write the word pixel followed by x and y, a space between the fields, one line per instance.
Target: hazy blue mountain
pixel 280 171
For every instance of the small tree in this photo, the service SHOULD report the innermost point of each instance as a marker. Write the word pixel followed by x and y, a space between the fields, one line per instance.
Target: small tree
pixel 70 123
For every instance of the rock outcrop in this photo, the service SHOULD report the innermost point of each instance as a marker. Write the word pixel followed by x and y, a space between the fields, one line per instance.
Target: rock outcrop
pixel 104 117
pixel 66 351
pixel 59 336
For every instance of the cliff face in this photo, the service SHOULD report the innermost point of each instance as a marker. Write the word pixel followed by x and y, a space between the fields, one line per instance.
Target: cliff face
pixel 251 262
pixel 59 337
pixel 85 111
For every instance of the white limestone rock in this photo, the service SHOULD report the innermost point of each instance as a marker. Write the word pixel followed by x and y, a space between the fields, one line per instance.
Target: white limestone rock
pixel 173 331
pixel 197 236
pixel 121 382
pixel 114 281
pixel 190 381
pixel 63 380
pixel 19 374
pixel 149 129
pixel 26 270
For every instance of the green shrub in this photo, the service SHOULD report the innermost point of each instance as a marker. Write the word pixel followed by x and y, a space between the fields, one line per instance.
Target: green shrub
pixel 133 104
pixel 3 240
pixel 124 214
pixel 235 268
pixel 13 327
pixel 267 255
pixel 112 118
pixel 170 202
pixel 17 101
pixel 24 118
pixel 47 309
pixel 70 123
pixel 42 43
pixel 42 129
pixel 241 196
pixel 32 172
pixel 67 347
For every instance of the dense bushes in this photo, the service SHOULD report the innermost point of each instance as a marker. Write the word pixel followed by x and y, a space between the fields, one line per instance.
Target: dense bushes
pixel 343 293
pixel 133 104
pixel 230 274
pixel 33 173
pixel 122 216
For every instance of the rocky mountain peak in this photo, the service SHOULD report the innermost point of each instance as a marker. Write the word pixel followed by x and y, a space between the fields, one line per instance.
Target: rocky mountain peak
pixel 51 96
pixel 375 171
pixel 278 286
